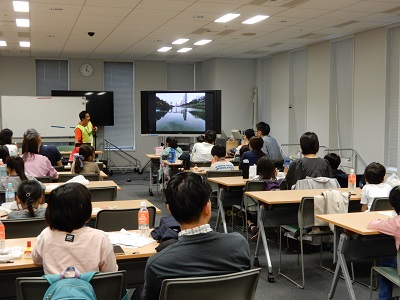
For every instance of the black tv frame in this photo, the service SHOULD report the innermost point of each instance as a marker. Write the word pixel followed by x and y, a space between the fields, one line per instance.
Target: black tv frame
pixel 212 107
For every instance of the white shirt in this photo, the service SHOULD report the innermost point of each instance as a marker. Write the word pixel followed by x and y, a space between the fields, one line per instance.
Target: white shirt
pixel 202 152
pixel 372 191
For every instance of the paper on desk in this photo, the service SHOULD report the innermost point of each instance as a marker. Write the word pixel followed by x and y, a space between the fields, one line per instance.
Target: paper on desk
pixel 51 187
pixel 126 238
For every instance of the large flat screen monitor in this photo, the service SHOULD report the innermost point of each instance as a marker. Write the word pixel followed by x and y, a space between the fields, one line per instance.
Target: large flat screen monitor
pixel 180 112
pixel 100 105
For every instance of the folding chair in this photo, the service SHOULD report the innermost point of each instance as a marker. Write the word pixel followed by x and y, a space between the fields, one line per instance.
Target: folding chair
pixel 235 286
pixel 116 219
pixel 110 285
pixel 66 177
pixel 381 203
pixel 107 193
pixel 22 228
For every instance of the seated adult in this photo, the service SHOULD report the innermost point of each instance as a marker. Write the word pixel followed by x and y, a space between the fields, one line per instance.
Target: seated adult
pixel 35 164
pixel 6 139
pixel 50 151
pixel 202 151
pixel 250 158
pixel 199 250
pixel 310 165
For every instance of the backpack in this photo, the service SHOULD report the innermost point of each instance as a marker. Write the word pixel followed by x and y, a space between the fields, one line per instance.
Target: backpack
pixel 70 288
pixel 273 185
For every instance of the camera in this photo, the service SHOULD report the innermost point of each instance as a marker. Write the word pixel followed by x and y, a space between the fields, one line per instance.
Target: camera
pixel 90 33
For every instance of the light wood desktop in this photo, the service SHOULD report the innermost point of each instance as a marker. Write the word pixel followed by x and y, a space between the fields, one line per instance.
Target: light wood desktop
pixel 69 152
pixel 104 183
pixel 281 198
pixel 102 174
pixel 120 204
pixel 176 163
pixel 133 261
pixel 370 245
pixel 229 181
pixel 204 170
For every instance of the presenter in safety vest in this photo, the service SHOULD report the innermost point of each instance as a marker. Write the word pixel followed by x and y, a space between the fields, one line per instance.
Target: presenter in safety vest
pixel 84 130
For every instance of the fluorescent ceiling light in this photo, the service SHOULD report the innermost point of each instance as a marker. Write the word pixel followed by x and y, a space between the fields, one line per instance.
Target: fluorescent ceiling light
pixel 164 49
pixel 24 44
pixel 227 18
pixel 3 43
pixel 101 93
pixel 22 6
pixel 22 22
pixel 255 19
pixel 180 41
pixel 184 50
pixel 202 42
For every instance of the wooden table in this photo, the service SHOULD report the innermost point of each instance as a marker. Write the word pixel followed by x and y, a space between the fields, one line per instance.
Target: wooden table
pixel 282 198
pixel 104 183
pixel 369 245
pixel 69 152
pixel 102 174
pixel 134 264
pixel 225 183
pixel 120 204
pixel 154 166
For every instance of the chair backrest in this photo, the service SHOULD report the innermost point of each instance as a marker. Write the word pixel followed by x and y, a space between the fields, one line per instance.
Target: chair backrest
pixel 111 285
pixel 100 164
pixel 44 179
pixel 305 215
pixel 21 228
pixel 381 204
pixel 107 193
pixel 235 286
pixel 65 148
pixel 59 168
pixel 316 183
pixel 201 164
pixel 251 186
pixel 66 177
pixel 116 219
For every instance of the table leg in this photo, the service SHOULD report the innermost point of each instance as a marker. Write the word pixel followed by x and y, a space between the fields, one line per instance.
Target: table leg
pixel 341 266
pixel 221 211
pixel 151 178
pixel 262 237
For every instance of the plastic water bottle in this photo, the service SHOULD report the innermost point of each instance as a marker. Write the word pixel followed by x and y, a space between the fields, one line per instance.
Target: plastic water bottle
pixel 287 161
pixel 143 219
pixel 2 237
pixel 352 181
pixel 171 155
pixel 10 193
pixel 3 175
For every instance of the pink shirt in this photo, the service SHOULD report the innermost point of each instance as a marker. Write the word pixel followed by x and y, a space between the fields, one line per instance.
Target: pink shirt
pixel 390 226
pixel 90 250
pixel 39 165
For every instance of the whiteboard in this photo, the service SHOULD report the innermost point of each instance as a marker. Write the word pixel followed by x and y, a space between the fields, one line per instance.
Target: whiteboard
pixel 50 116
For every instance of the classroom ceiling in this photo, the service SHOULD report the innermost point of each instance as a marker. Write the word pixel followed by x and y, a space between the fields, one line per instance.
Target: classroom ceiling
pixel 134 29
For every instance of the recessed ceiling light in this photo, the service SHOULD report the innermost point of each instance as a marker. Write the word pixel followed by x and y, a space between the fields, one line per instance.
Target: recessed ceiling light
pixel 255 19
pixel 164 49
pixel 3 43
pixel 227 18
pixel 21 6
pixel 22 22
pixel 202 42
pixel 101 93
pixel 184 50
pixel 88 93
pixel 25 44
pixel 180 41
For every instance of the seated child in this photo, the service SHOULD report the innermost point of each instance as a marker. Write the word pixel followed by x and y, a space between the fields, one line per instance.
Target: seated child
pixel 266 171
pixel 220 164
pixel 29 198
pixel 334 160
pixel 171 143
pixel 375 187
pixel 16 173
pixel 67 241
pixel 391 227
pixel 84 161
